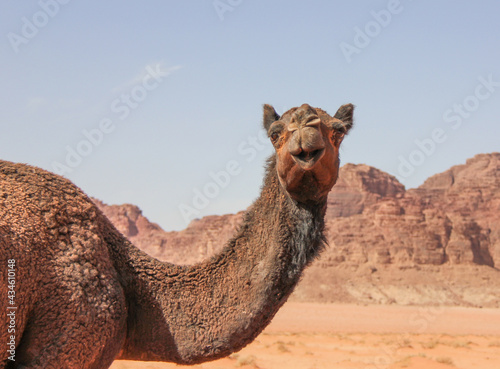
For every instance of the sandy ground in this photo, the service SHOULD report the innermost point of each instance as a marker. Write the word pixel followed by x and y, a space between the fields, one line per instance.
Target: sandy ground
pixel 316 336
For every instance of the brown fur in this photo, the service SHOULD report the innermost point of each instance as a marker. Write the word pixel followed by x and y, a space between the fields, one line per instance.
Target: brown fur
pixel 86 295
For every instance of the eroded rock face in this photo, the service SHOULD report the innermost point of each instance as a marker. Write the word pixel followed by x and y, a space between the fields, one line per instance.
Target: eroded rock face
pixel 454 217
pixel 372 222
pixel 201 239
pixel 358 187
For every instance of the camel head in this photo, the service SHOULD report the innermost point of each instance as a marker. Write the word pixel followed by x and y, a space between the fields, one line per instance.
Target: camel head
pixel 307 142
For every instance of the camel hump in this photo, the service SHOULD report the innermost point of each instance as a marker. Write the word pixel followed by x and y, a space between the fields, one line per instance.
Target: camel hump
pixel 63 277
pixel 40 208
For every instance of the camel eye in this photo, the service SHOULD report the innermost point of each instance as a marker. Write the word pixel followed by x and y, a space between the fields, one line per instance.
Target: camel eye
pixel 275 131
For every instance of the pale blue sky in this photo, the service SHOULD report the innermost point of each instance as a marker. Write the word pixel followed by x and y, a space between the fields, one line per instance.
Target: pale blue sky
pixel 421 71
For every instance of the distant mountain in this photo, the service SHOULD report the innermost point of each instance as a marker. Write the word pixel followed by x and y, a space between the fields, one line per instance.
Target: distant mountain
pixel 437 244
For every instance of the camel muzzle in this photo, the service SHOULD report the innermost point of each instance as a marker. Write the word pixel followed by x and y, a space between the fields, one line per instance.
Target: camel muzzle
pixel 306 146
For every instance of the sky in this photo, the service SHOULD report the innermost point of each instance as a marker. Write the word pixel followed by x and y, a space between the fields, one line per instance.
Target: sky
pixel 159 103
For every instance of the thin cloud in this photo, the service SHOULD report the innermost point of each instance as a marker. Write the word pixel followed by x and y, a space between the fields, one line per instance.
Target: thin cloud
pixel 139 78
pixel 38 103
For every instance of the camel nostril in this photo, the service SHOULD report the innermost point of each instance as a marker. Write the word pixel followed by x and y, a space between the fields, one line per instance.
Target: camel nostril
pixel 302 155
pixel 316 152
pixel 308 156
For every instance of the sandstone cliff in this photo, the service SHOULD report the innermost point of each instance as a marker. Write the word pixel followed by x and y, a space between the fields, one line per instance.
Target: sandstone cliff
pixel 453 218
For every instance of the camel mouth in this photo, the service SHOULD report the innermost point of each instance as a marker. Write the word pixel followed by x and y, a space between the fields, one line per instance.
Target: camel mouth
pixel 307 160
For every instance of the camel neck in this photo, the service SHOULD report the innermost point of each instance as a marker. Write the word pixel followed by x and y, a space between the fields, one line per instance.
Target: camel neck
pixel 196 313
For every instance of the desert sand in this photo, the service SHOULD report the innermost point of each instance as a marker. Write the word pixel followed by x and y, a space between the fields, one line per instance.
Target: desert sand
pixel 317 336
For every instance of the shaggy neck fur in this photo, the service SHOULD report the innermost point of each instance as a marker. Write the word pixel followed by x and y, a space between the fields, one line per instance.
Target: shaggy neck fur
pixel 197 313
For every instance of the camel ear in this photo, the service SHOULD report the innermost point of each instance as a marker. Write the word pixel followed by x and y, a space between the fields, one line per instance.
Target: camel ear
pixel 345 114
pixel 270 116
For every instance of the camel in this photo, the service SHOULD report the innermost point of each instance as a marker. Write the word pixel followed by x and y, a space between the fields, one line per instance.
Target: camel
pixel 85 296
